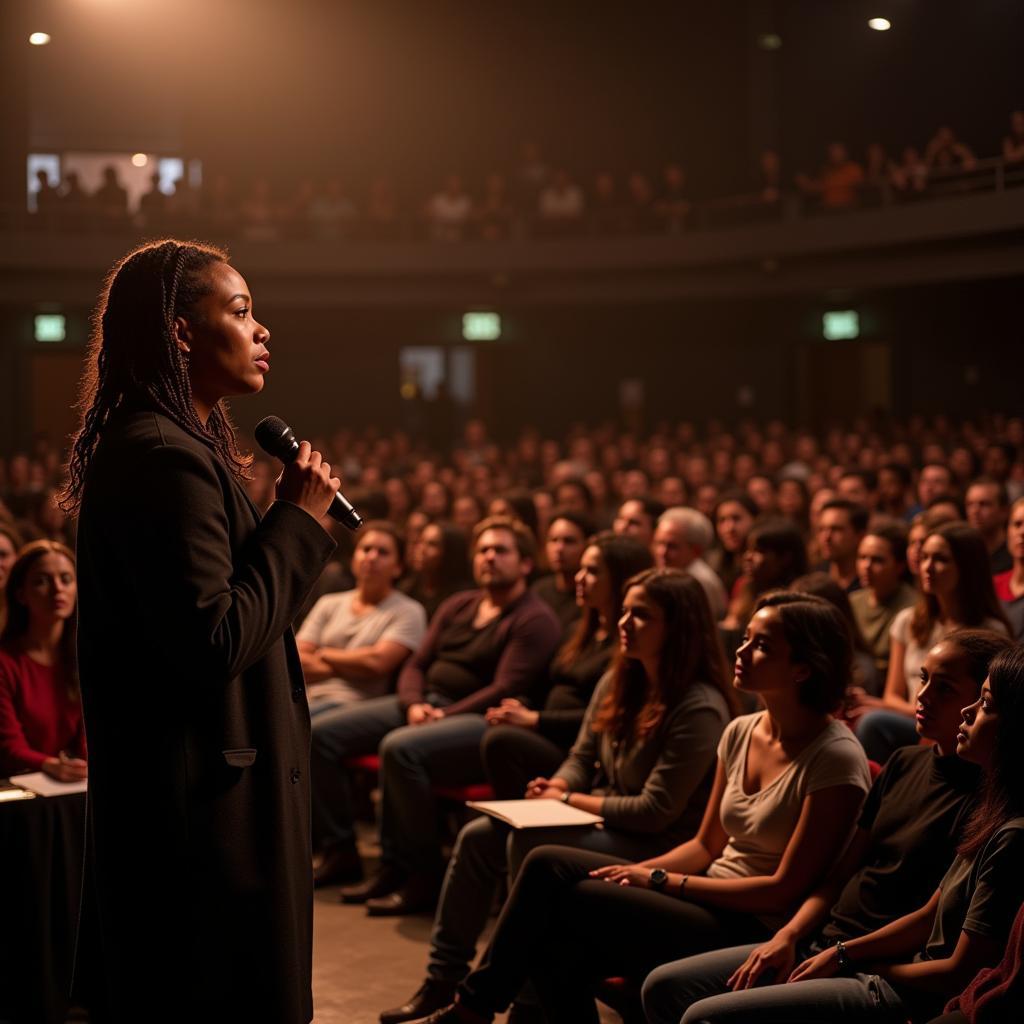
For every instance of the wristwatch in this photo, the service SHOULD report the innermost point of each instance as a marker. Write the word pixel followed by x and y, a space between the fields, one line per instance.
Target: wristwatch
pixel 657 879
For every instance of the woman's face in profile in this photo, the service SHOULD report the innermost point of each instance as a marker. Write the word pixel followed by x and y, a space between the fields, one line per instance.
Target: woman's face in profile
pixel 226 346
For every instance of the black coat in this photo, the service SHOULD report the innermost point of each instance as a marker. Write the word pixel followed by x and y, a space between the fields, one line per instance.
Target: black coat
pixel 198 896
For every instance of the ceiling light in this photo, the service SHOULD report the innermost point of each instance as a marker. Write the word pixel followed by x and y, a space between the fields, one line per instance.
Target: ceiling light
pixel 140 160
pixel 880 24
pixel 39 38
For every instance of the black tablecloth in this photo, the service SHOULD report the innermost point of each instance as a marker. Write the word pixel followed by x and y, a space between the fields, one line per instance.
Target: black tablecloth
pixel 41 844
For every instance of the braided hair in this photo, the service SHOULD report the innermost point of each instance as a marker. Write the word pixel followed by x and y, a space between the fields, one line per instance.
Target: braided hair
pixel 133 358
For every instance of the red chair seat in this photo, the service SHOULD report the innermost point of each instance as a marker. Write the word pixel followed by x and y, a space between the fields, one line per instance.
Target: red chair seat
pixel 460 794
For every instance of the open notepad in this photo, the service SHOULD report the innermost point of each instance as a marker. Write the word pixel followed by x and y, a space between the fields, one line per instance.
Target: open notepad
pixel 43 785
pixel 535 813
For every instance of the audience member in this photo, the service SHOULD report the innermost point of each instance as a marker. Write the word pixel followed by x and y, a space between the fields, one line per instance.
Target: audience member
pixel 560 205
pixel 894 482
pixel 755 855
pixel 839 181
pixel 945 152
pixel 10 542
pixel 1010 584
pixel 672 206
pixel 733 515
pixel 912 823
pixel 956 592
pixel 841 526
pixel 1013 142
pixel 775 555
pixel 566 538
pixel 440 566
pixel 448 211
pixel 987 509
pixel 637 518
pixel 643 759
pixel 482 645
pixel 680 540
pixel 884 593
pixel 352 643
pixel 40 706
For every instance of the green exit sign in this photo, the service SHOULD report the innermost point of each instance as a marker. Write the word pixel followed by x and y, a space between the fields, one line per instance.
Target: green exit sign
pixel 840 324
pixel 481 326
pixel 50 327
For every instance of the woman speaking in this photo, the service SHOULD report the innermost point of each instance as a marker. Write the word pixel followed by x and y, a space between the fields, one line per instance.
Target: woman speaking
pixel 197 901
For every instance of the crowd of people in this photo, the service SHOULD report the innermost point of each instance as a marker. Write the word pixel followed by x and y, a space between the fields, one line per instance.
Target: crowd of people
pixel 712 638
pixel 534 198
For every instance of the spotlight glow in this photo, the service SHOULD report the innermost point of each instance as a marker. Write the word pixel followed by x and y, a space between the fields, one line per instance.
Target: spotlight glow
pixel 140 160
pixel 39 38
pixel 880 24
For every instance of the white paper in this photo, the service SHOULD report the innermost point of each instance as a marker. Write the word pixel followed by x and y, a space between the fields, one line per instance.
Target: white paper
pixel 42 785
pixel 535 813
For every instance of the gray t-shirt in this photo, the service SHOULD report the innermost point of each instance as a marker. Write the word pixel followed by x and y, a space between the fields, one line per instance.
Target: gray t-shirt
pixel 331 623
pixel 980 895
pixel 760 825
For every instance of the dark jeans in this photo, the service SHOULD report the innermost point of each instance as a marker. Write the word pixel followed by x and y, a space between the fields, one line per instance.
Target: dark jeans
pixel 567 932
pixel 485 850
pixel 514 757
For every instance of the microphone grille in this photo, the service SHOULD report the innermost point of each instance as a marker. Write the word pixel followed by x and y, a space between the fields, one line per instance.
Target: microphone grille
pixel 273 435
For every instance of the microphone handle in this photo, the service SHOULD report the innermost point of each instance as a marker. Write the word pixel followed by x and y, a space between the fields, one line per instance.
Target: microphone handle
pixel 340 509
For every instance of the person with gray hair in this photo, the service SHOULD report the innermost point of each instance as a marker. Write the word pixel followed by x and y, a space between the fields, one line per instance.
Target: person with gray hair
pixel 680 540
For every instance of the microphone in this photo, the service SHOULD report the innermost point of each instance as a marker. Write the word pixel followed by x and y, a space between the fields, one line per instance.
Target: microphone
pixel 276 438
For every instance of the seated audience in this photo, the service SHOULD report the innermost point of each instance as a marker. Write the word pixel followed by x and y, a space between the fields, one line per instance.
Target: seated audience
pixel 945 152
pixel 482 646
pixel 841 526
pixel 440 566
pixel 733 516
pixel 789 780
pixel 908 968
pixel 40 706
pixel 794 502
pixel 680 540
pixel 643 759
pixel 352 643
pixel 987 509
pixel 517 505
pixel 909 829
pixel 884 593
pixel 566 538
pixel 894 490
pixel 956 592
pixel 637 518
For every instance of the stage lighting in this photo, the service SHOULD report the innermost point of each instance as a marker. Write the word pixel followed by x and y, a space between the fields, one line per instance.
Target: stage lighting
pixel 481 326
pixel 39 38
pixel 880 24
pixel 840 324
pixel 139 160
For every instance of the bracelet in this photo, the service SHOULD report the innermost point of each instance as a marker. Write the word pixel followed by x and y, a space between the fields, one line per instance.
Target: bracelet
pixel 842 960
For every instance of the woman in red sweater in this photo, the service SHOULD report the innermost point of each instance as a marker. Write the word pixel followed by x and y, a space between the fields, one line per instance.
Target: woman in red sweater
pixel 40 709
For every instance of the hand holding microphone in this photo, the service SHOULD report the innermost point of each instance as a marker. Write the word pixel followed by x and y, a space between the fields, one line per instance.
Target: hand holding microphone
pixel 306 480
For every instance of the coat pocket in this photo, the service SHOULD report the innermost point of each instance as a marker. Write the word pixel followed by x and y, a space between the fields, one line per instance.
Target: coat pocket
pixel 241 758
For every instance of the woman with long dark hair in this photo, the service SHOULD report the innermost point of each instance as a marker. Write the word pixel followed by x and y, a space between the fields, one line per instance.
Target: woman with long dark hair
pixel 956 592
pixel 193 698
pixel 10 541
pixel 908 969
pixel 40 705
pixel 642 760
pixel 440 564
